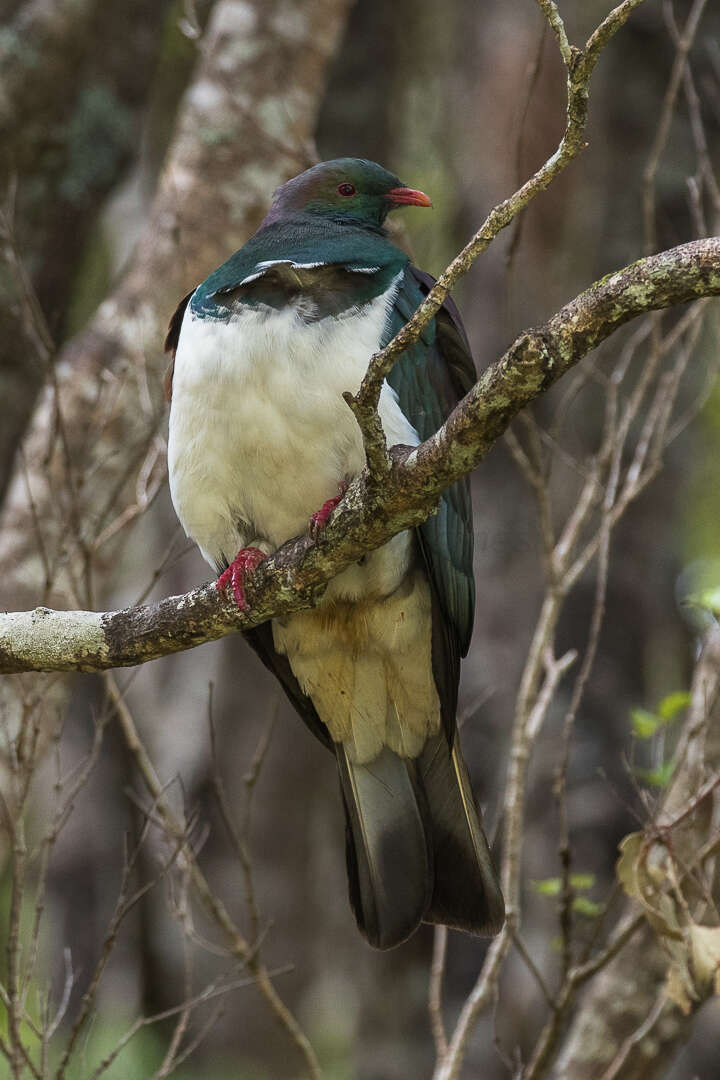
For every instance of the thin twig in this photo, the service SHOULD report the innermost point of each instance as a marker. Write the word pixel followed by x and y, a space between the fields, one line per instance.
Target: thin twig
pixel 236 942
pixel 580 65
pixel 683 46
pixel 435 1007
pixel 614 1070
pixel 533 968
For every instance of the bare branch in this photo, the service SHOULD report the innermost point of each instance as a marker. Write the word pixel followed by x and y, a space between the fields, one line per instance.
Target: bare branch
pixel 580 67
pixel 550 11
pixel 437 970
pixel 683 46
pixel 294 577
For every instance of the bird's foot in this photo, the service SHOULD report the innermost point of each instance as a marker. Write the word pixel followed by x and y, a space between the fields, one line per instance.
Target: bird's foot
pixel 321 517
pixel 244 562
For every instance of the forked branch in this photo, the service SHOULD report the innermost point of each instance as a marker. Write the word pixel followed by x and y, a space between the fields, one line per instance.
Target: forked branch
pixel 295 576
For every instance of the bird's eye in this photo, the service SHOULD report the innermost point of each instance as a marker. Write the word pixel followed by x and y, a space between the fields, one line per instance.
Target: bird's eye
pixel 346 189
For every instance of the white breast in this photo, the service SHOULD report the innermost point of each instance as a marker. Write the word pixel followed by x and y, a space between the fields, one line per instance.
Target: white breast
pixel 260 436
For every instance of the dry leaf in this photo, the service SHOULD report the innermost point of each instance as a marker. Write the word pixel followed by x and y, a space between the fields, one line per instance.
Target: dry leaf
pixel 642 872
pixel 694 969
pixel 679 986
pixel 705 946
pixel 693 950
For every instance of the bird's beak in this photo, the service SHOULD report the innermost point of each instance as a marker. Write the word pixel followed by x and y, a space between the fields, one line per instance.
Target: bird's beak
pixel 405 196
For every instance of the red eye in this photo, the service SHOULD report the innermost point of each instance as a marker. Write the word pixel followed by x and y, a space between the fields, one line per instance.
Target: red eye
pixel 346 189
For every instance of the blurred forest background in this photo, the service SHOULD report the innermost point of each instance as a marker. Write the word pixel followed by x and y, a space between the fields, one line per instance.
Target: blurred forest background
pixel 141 143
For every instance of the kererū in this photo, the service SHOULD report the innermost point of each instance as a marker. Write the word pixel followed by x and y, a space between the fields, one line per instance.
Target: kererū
pixel 260 441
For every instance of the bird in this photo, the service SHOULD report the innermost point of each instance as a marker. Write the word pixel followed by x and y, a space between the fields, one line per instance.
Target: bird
pixel 261 444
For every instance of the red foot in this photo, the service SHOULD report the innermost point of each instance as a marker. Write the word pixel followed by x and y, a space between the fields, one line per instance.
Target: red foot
pixel 244 562
pixel 320 518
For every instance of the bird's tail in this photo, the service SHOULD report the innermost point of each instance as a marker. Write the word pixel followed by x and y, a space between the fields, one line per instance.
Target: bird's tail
pixel 415 847
pixel 389 861
pixel 466 891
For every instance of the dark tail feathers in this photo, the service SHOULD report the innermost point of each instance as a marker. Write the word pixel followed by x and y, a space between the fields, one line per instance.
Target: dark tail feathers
pixel 415 848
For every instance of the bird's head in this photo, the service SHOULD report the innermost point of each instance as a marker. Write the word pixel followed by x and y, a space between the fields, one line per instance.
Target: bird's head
pixel 347 189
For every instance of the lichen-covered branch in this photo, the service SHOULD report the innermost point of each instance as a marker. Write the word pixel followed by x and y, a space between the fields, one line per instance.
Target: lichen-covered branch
pixel 295 576
pixel 580 64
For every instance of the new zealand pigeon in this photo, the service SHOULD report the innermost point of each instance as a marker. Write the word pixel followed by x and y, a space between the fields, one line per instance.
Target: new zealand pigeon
pixel 261 440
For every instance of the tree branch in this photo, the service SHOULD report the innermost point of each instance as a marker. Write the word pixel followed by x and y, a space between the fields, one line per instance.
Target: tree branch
pixel 580 64
pixel 295 576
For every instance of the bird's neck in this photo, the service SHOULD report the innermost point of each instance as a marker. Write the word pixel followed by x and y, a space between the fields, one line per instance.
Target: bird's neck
pixel 316 221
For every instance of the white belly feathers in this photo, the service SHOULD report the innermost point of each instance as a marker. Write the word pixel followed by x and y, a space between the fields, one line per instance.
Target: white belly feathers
pixel 260 436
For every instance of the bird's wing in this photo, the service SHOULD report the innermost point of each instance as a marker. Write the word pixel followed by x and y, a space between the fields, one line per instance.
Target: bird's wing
pixel 171 342
pixel 332 267
pixel 294 256
pixel 430 378
pixel 260 638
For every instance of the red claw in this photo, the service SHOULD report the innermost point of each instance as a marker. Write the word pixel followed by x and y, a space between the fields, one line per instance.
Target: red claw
pixel 244 562
pixel 320 518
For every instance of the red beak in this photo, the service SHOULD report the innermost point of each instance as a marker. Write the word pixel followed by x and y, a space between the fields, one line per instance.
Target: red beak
pixel 405 196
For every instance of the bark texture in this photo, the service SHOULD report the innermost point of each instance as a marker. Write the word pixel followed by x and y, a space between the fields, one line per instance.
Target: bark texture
pixel 74 76
pixel 245 125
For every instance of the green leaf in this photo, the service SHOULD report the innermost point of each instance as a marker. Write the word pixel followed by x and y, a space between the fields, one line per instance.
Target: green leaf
pixel 547 887
pixel 553 886
pixel 586 907
pixel 671 705
pixel 582 881
pixel 644 723
pixel 658 778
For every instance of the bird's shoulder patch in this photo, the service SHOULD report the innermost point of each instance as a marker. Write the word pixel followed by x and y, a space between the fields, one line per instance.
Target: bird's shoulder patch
pixel 171 342
pixel 317 290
